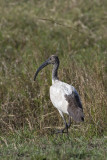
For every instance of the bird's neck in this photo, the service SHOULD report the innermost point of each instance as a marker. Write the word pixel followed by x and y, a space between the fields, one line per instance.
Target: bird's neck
pixel 55 72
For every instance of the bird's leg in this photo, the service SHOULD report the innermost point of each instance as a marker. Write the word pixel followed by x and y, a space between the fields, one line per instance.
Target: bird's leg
pixel 66 125
pixel 69 122
pixel 63 130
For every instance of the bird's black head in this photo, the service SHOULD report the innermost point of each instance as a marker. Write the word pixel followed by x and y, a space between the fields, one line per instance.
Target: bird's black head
pixel 51 60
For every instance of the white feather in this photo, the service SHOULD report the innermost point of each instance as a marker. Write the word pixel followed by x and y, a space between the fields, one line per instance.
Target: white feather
pixel 57 95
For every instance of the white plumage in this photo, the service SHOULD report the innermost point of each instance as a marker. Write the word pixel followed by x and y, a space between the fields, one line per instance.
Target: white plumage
pixel 58 90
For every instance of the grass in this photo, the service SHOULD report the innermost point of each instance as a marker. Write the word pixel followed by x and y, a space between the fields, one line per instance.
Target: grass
pixel 31 31
pixel 27 145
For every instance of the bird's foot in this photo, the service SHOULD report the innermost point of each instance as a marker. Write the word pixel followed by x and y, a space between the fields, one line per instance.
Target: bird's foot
pixel 62 130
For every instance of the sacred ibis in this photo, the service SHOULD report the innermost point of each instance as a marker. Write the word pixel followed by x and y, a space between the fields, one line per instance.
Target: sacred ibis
pixel 63 96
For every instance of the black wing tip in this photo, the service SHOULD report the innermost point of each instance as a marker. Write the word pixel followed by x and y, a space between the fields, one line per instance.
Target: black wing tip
pixel 82 118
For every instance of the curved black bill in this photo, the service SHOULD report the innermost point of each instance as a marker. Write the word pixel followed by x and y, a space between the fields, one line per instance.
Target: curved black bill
pixel 40 68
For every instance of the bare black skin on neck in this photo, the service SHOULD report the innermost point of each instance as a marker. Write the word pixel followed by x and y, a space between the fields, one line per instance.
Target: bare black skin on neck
pixel 55 70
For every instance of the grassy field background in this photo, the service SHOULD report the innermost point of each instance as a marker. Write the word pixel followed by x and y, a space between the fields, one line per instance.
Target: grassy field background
pixel 31 31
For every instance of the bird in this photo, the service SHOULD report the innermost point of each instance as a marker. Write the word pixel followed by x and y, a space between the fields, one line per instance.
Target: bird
pixel 63 96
